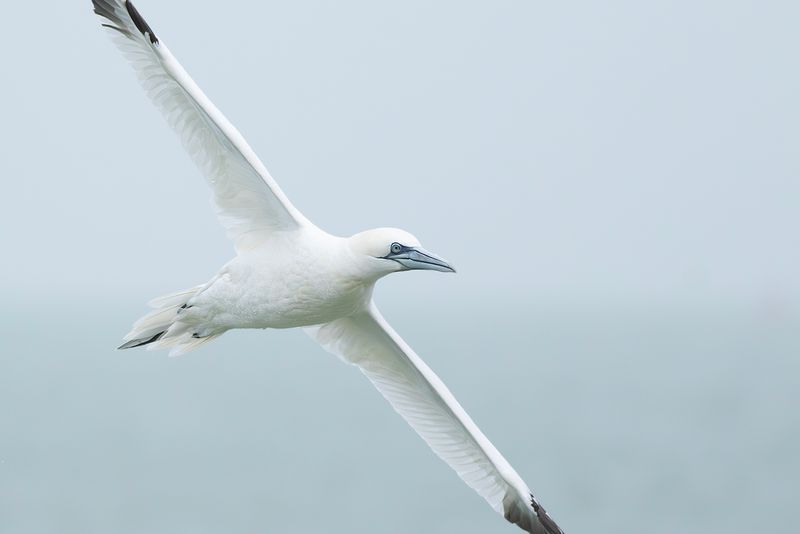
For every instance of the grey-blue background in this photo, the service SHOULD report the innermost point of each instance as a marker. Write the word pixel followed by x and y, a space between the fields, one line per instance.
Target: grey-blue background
pixel 617 184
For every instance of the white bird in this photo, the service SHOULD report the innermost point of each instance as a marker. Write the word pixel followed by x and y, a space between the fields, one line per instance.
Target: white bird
pixel 289 273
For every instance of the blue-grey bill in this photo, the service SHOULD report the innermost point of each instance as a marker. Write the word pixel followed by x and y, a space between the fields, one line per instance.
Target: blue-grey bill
pixel 417 258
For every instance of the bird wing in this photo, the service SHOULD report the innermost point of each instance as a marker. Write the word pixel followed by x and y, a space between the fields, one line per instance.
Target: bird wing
pixel 366 340
pixel 249 203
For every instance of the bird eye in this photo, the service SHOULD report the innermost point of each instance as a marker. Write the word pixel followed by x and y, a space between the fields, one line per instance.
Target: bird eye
pixel 396 248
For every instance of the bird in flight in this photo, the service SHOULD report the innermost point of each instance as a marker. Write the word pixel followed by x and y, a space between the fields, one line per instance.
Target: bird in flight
pixel 289 273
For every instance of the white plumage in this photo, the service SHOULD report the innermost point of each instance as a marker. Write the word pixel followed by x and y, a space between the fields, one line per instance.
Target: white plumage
pixel 289 273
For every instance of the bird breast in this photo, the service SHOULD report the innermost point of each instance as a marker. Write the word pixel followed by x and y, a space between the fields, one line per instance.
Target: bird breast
pixel 288 285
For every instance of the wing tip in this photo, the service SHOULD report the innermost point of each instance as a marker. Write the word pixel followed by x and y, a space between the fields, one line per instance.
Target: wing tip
pixel 140 23
pixel 102 8
pixel 107 10
pixel 547 522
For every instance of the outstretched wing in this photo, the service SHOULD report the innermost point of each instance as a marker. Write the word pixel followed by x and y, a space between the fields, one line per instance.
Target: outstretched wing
pixel 249 203
pixel 419 396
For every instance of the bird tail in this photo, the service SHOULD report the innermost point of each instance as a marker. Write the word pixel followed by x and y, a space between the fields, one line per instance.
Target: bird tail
pixel 164 327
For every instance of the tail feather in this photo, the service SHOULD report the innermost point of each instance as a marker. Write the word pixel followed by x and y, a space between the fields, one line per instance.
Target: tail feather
pixel 180 344
pixel 166 327
pixel 174 299
pixel 155 322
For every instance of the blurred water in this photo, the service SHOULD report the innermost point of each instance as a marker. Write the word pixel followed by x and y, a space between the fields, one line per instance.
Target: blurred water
pixel 633 421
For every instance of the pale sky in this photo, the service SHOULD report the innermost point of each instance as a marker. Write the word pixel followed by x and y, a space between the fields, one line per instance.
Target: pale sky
pixel 551 150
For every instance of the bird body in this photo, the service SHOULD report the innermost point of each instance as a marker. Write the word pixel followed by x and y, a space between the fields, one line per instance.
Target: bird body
pixel 293 279
pixel 289 273
pixel 308 278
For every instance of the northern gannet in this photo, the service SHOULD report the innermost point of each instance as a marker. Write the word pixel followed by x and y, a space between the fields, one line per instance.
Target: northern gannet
pixel 289 273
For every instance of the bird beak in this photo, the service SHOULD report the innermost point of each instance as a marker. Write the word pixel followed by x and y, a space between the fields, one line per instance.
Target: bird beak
pixel 419 258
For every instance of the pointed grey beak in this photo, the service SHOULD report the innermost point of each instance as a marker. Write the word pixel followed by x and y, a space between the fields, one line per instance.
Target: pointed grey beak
pixel 419 258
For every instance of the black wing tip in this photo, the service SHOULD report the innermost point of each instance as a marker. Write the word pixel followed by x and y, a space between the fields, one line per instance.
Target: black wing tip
pixel 102 8
pixel 105 9
pixel 140 23
pixel 546 521
pixel 120 30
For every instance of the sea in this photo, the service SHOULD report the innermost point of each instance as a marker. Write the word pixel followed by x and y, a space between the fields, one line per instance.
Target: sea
pixel 621 418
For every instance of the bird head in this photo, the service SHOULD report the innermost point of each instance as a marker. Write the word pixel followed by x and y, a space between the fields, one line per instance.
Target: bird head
pixel 387 250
